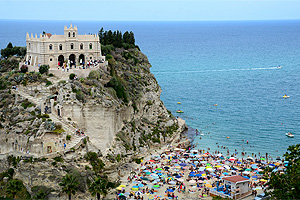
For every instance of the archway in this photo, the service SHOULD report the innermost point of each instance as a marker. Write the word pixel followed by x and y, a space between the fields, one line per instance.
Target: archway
pixel 72 60
pixel 81 59
pixel 61 60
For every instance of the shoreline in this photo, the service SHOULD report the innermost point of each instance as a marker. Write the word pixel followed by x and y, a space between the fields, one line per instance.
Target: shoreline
pixel 218 148
pixel 159 187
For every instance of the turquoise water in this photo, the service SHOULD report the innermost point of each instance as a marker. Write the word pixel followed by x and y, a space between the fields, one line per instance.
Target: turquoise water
pixel 232 64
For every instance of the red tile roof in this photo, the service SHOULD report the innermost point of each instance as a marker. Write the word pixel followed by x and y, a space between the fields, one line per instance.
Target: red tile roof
pixel 49 35
pixel 235 179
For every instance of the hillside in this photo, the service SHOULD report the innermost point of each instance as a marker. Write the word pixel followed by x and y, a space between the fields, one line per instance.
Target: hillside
pixel 118 108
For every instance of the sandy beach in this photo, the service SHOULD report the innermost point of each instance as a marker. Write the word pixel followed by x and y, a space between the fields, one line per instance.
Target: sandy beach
pixel 178 172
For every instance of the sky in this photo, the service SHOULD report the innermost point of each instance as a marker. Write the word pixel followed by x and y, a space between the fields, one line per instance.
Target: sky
pixel 150 10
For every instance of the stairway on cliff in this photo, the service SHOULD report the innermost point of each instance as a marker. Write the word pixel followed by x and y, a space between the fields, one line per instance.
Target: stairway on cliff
pixel 69 129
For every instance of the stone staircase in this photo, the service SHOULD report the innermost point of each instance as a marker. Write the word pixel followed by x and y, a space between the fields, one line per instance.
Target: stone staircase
pixel 69 129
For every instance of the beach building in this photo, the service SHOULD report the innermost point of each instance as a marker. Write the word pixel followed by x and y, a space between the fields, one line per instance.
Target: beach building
pixel 234 187
pixel 71 48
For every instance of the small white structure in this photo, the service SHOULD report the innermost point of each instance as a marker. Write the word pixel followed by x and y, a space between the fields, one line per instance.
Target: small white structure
pixel 54 50
pixel 238 185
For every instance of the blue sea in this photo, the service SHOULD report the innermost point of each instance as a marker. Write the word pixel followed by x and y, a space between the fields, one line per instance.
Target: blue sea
pixel 233 64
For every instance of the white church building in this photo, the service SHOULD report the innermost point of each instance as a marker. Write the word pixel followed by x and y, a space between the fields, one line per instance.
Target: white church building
pixel 54 50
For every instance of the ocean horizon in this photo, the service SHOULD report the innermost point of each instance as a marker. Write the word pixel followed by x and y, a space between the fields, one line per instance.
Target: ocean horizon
pixel 231 64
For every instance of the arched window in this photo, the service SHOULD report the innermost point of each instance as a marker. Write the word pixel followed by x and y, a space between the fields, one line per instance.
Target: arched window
pixel 29 45
pixel 50 47
pixel 91 46
pixel 73 34
pixel 69 34
pixel 60 47
pixel 72 46
pixel 81 46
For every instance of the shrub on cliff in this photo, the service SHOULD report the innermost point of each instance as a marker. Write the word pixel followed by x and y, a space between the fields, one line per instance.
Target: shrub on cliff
pixel 94 75
pixel 72 76
pixel 44 69
pixel 116 83
pixel 24 68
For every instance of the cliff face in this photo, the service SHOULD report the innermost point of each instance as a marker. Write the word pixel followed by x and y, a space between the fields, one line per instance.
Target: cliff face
pixel 119 109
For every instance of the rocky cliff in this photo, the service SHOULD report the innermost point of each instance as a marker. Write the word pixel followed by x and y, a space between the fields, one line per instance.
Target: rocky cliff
pixel 118 108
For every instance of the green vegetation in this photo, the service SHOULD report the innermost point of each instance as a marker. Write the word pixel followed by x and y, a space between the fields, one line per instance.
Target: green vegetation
pixel 69 185
pixel 68 137
pixel 286 185
pixel 13 51
pixel 72 76
pixel 40 192
pixel 95 161
pixel 44 69
pixel 16 190
pixel 99 187
pixel 94 75
pixel 116 39
pixel 58 159
pixel 117 83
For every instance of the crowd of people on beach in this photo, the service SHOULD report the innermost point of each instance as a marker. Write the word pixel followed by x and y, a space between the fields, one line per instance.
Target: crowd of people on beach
pixel 179 172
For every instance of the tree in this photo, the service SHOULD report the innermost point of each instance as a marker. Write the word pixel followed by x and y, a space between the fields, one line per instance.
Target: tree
pixel 287 185
pixel 101 32
pixel 69 185
pixel 13 187
pixel 99 187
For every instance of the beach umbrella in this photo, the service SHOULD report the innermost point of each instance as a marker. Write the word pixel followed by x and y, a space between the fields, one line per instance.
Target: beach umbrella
pixel 277 163
pixel 225 173
pixel 140 185
pixel 143 167
pixel 170 190
pixel 239 162
pixel 208 185
pixel 227 167
pixel 262 159
pixel 134 189
pixel 263 180
pixel 203 162
pixel 172 182
pixel 177 176
pixel 203 174
pixel 145 178
pixel 148 173
pixel 232 159
pixel 201 168
pixel 135 186
pixel 254 176
pixel 159 169
pixel 183 164
pixel 192 181
pixel 248 169
pixel 221 168
pixel 246 177
pixel 208 164
pixel 156 186
pixel 200 181
pixel 119 188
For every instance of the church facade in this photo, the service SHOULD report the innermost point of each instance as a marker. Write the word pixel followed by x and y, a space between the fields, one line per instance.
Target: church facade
pixel 54 50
